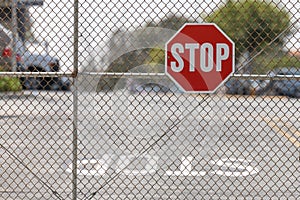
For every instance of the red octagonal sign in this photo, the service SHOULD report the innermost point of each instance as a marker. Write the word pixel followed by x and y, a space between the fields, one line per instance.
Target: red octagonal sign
pixel 199 58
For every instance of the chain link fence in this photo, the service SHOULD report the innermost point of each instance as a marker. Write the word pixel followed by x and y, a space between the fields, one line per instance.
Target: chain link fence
pixel 87 111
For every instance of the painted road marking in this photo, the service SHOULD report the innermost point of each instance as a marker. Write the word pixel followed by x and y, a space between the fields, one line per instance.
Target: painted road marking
pixel 290 137
pixel 125 164
pixel 185 168
pixel 234 167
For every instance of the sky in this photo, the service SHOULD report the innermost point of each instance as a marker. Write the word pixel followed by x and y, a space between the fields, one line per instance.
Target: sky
pixel 98 20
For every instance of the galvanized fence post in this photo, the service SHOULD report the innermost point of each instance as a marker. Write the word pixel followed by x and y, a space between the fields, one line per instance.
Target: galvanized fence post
pixel 75 102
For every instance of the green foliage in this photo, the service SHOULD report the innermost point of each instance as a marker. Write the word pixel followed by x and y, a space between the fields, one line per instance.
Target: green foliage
pixel 9 84
pixel 156 60
pixel 142 60
pixel 251 24
pixel 265 63
pixel 156 55
pixel 139 57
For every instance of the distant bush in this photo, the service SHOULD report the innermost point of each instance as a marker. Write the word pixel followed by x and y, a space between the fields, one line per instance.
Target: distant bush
pixel 252 24
pixel 9 84
pixel 265 63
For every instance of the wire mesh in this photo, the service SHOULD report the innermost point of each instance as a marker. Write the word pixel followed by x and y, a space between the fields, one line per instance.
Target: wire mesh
pixel 88 112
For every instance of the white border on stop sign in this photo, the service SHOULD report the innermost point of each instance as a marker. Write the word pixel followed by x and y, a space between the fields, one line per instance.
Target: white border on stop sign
pixel 233 57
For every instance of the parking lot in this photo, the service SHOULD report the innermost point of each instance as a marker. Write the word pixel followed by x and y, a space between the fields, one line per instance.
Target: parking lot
pixel 160 146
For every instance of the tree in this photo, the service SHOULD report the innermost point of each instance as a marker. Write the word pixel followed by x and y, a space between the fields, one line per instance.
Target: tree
pixel 139 51
pixel 171 22
pixel 252 25
pixel 157 54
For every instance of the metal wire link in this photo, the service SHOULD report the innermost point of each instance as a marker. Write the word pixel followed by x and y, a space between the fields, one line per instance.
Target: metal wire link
pixel 87 110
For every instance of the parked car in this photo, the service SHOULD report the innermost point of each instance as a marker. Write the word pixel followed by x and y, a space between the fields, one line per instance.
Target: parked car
pixel 247 86
pixel 287 87
pixel 162 85
pixel 151 87
pixel 31 57
pixel 6 52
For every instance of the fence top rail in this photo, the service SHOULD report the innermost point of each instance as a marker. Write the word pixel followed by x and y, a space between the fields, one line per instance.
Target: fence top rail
pixel 159 75
pixel 134 74
pixel 36 74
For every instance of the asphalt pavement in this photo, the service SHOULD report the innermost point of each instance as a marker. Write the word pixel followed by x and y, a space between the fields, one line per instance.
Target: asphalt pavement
pixel 149 146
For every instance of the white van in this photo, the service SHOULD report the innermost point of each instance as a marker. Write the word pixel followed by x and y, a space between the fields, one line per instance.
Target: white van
pixel 32 57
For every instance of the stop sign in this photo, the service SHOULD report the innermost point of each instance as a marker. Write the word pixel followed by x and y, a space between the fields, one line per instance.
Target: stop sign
pixel 199 57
